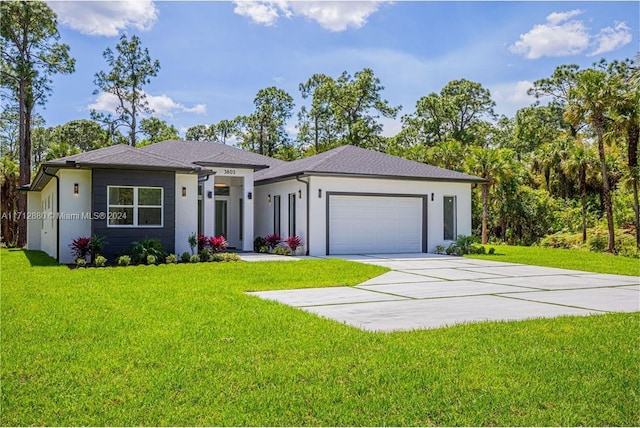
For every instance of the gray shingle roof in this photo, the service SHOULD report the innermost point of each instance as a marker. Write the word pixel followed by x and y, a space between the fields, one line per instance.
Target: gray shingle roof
pixel 122 156
pixel 351 160
pixel 210 154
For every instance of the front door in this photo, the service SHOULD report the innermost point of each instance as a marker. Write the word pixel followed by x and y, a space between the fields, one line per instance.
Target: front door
pixel 221 218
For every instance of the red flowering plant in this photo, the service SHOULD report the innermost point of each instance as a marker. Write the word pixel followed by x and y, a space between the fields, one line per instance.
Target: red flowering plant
pixel 203 241
pixel 293 242
pixel 217 244
pixel 272 240
pixel 80 247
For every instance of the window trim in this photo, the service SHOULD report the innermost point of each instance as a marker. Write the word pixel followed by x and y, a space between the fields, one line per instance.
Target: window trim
pixel 454 214
pixel 277 215
pixel 292 214
pixel 135 207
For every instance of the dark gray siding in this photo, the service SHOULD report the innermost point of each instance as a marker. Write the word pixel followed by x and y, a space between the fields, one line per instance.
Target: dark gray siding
pixel 120 238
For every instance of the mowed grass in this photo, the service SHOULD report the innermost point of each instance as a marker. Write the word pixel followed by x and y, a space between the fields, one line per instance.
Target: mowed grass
pixel 184 345
pixel 562 258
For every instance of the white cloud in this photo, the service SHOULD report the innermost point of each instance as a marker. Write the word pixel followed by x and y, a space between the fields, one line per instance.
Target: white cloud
pixel 105 18
pixel 162 105
pixel 512 96
pixel 556 18
pixel 331 15
pixel 610 39
pixel 562 36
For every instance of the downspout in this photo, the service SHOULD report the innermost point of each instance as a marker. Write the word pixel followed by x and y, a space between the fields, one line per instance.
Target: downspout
pixel 308 207
pixel 44 171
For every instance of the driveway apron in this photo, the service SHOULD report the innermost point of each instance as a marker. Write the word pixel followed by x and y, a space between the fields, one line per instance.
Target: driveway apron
pixel 428 291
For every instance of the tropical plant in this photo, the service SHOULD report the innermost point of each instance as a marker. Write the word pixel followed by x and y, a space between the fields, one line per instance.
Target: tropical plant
pixel 293 242
pixel 81 247
pixel 272 240
pixel 258 243
pixel 140 250
pixel 151 259
pixel 282 251
pixel 217 244
pixel 80 262
pixel 184 257
pixel 171 259
pixel 194 258
pixel 100 261
pixel 124 260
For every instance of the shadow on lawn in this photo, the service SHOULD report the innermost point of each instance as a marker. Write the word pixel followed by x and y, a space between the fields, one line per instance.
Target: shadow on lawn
pixel 38 258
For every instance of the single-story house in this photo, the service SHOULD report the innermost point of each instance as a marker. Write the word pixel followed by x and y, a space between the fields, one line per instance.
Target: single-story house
pixel 347 200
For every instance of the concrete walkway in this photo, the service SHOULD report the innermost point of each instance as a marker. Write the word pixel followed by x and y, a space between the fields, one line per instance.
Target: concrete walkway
pixel 426 291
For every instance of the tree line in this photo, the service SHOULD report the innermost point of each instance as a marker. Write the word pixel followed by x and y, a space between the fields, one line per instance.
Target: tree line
pixel 568 162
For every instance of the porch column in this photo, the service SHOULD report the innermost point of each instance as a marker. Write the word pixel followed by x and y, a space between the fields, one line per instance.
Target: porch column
pixel 247 212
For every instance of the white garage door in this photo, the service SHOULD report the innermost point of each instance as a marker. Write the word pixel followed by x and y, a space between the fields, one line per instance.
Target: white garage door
pixel 374 224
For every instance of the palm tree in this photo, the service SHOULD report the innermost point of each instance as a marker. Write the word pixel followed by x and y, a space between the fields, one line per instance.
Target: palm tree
pixel 626 114
pixel 488 164
pixel 592 96
pixel 581 158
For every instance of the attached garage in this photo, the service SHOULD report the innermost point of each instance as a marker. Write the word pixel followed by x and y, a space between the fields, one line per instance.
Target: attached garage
pixel 376 223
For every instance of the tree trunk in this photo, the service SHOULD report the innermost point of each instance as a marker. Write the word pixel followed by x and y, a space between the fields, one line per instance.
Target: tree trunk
pixel 25 162
pixel 485 210
pixel 583 200
pixel 636 208
pixel 633 135
pixel 606 190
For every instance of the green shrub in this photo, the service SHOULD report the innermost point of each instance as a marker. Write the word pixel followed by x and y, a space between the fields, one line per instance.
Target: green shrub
pixel 80 262
pixel 439 249
pixel 258 243
pixel 151 259
pixel 193 243
pixel 184 257
pixel 562 240
pixel 282 251
pixel 124 260
pixel 625 245
pixel 100 261
pixel 147 247
pixel 171 259
pixel 194 258
pixel 492 251
pixel 205 255
pixel 230 257
pixel 264 249
pixel 598 241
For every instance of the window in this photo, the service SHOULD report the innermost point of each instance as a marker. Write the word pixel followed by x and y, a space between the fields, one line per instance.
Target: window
pixel 241 219
pixel 276 215
pixel 134 206
pixel 292 214
pixel 449 218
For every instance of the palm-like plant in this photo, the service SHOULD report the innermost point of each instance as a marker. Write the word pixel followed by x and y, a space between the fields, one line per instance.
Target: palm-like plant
pixel 488 164
pixel 590 98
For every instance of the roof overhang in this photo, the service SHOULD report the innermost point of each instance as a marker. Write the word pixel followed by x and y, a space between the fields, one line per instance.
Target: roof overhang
pixel 43 176
pixel 368 176
pixel 255 167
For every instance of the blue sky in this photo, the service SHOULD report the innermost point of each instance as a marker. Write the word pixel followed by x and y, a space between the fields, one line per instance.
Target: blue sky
pixel 215 56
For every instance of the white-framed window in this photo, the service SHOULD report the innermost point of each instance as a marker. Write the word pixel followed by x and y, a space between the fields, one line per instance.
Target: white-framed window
pixel 276 214
pixel 130 206
pixel 450 217
pixel 292 214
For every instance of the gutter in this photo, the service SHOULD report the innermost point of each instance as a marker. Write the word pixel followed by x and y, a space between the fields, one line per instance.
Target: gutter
pixel 308 207
pixel 44 171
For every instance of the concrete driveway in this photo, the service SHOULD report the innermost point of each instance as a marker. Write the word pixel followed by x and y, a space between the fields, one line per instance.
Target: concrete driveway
pixel 425 291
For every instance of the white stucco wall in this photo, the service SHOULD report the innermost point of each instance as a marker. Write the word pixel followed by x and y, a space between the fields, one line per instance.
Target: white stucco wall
pixel 264 210
pixel 240 182
pixel 49 226
pixel 317 205
pixel 186 215
pixel 75 210
pixel 34 220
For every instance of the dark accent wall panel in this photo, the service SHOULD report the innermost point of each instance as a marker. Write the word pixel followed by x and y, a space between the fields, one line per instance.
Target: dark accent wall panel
pixel 120 238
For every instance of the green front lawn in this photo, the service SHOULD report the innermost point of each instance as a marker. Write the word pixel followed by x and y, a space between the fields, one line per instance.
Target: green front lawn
pixel 561 258
pixel 184 345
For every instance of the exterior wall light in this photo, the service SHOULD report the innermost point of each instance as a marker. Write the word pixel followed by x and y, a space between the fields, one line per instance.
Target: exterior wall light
pixel 319 193
pixel 269 198
pixel 184 192
pixel 432 197
pixel 209 194
pixel 299 193
pixel 249 195
pixel 76 188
